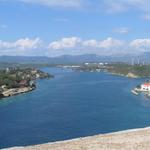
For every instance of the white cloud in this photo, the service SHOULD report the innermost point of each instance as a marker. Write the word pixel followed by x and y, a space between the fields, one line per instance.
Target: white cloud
pixel 65 43
pixel 55 3
pixel 141 45
pixel 75 42
pixel 91 43
pixel 109 6
pixel 24 46
pixel 114 6
pixel 28 43
pixel 111 43
pixel 73 46
pixel 76 45
pixel 109 46
pixel 123 30
pixel 25 43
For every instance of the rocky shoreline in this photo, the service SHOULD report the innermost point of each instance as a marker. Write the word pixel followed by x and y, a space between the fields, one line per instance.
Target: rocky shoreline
pixel 129 75
pixel 16 91
pixel 135 139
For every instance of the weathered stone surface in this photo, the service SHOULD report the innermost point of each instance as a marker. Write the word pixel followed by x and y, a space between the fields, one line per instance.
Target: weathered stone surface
pixel 138 139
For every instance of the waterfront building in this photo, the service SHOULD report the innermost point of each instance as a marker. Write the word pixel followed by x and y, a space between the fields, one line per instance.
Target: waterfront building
pixel 145 87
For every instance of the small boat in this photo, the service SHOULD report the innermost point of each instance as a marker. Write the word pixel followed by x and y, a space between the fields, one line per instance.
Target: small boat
pixel 134 92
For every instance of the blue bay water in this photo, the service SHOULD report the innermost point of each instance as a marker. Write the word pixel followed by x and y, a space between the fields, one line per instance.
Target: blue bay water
pixel 73 104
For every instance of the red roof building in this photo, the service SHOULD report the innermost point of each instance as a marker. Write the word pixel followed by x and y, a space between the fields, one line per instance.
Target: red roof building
pixel 23 83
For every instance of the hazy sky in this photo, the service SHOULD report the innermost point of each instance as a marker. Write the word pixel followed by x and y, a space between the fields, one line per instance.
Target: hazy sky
pixel 58 27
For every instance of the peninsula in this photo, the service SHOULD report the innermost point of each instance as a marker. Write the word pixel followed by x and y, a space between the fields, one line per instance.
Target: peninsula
pixel 15 81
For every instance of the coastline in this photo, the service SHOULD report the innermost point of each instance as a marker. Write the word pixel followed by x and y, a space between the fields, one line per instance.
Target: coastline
pixel 17 81
pixel 95 142
pixel 129 75
pixel 135 139
pixel 16 91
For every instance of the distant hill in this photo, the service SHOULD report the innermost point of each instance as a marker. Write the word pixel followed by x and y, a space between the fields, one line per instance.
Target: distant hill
pixel 67 59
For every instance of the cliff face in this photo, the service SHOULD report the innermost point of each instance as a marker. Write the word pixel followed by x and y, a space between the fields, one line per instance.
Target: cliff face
pixel 126 140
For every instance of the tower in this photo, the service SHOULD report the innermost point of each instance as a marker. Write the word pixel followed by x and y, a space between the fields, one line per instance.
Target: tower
pixel 132 62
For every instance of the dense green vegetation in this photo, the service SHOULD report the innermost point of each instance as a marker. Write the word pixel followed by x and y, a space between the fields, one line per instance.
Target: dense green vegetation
pixel 125 69
pixel 23 66
pixel 119 68
pixel 12 77
pixel 15 80
pixel 8 80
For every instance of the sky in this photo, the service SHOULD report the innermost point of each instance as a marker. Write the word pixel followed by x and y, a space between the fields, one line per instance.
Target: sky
pixel 74 27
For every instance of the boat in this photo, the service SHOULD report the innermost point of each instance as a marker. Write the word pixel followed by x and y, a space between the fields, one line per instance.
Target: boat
pixel 134 92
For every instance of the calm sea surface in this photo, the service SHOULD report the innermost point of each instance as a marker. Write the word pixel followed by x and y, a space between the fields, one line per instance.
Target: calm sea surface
pixel 73 104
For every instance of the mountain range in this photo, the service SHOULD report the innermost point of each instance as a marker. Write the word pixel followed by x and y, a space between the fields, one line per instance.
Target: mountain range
pixel 76 59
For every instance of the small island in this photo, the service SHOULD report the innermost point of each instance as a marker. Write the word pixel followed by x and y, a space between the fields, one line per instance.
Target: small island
pixel 14 81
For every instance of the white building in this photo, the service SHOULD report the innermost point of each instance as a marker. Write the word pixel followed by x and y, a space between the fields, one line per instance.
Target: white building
pixel 101 64
pixel 145 87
